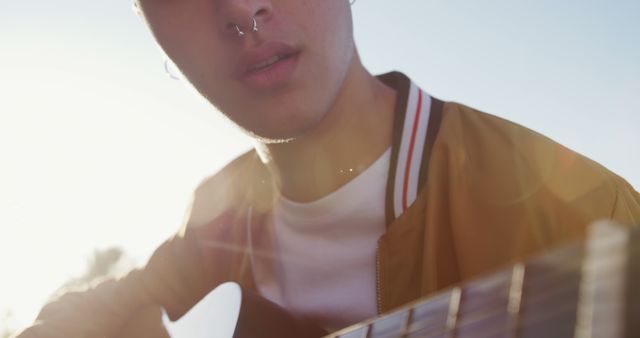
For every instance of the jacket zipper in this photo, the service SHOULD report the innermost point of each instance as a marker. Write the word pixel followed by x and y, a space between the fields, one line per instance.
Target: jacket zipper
pixel 378 292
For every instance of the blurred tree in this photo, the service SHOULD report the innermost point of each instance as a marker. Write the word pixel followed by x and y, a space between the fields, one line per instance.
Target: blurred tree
pixel 104 263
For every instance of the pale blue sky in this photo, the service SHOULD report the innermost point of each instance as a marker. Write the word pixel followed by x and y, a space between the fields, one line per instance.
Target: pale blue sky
pixel 99 147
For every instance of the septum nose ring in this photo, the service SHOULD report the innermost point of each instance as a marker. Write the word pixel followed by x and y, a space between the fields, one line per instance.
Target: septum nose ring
pixel 254 27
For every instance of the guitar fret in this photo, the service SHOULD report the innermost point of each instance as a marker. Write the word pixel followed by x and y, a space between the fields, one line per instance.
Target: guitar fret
pixel 390 326
pixel 361 332
pixel 486 294
pixel 429 316
pixel 454 309
pixel 515 299
pixel 632 327
pixel 407 323
pixel 515 291
pixel 367 331
pixel 606 249
pixel 483 307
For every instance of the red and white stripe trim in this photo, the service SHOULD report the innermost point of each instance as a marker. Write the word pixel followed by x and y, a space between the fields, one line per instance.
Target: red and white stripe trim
pixel 414 133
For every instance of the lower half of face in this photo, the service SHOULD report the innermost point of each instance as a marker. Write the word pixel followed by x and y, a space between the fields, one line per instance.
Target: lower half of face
pixel 300 91
pixel 276 83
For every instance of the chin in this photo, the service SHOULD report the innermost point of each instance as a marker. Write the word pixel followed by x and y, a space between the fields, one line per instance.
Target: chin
pixel 282 115
pixel 281 130
pixel 281 134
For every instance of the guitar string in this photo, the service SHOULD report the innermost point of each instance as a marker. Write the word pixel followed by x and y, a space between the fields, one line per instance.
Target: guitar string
pixel 433 329
pixel 529 320
pixel 501 327
pixel 472 318
pixel 491 331
pixel 475 316
pixel 608 263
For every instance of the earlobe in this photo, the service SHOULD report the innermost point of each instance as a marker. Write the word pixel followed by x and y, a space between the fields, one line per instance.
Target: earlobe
pixel 136 9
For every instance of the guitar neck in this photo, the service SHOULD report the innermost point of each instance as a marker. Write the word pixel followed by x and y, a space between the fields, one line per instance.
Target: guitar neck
pixel 583 290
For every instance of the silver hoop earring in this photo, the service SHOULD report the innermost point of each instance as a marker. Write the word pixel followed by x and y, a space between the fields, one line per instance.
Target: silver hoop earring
pixel 167 69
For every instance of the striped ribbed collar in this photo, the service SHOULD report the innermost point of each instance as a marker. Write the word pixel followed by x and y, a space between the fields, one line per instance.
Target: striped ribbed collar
pixel 416 123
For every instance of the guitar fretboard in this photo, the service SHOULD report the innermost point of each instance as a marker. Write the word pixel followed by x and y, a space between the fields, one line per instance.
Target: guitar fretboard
pixel 583 290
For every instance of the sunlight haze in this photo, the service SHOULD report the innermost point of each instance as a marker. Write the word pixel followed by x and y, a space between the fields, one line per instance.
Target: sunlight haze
pixel 100 148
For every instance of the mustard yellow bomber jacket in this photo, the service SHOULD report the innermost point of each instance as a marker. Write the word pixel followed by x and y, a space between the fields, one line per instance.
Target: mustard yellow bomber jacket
pixel 486 193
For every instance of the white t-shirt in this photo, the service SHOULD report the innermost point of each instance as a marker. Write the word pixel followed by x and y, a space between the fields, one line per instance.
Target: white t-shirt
pixel 327 249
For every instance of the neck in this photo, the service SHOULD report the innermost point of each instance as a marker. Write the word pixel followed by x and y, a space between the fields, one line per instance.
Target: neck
pixel 353 134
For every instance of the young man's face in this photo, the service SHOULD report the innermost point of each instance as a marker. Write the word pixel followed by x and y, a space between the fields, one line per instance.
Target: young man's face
pixel 313 40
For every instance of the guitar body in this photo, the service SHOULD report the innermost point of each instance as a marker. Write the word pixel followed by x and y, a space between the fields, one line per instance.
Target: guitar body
pixel 261 318
pixel 232 312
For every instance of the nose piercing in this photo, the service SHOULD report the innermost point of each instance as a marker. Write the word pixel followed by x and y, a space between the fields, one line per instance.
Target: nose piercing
pixel 240 32
pixel 254 27
pixel 255 24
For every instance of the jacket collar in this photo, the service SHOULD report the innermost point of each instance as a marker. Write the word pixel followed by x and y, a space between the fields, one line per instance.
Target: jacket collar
pixel 416 124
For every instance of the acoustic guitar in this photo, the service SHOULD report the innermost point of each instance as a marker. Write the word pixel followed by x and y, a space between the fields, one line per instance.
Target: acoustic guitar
pixel 584 290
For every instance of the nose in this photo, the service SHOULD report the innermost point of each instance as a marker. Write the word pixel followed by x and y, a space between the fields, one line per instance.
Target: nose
pixel 239 14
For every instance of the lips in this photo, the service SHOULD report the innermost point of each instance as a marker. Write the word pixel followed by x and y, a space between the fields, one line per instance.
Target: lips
pixel 270 64
pixel 262 65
